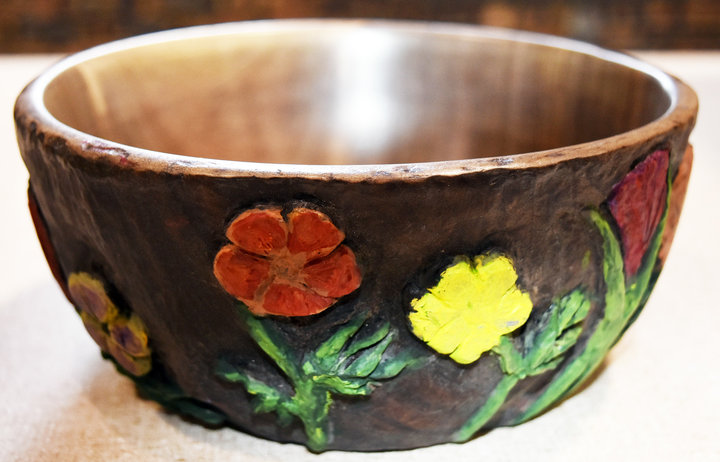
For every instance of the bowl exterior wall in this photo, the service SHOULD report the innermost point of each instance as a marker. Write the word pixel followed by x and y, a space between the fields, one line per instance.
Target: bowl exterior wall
pixel 151 239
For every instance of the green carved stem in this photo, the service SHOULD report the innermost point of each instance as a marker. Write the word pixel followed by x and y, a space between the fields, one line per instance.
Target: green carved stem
pixel 622 305
pixel 488 410
pixel 311 405
pixel 283 358
pixel 558 330
pixel 344 364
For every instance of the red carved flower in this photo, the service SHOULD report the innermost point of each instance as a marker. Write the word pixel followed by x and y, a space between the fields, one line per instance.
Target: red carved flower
pixel 292 266
pixel 44 238
pixel 637 203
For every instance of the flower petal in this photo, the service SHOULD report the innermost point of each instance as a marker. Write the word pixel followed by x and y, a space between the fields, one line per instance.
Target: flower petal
pixel 474 303
pixel 449 336
pixel 473 346
pixel 458 284
pixel 429 315
pixel 130 335
pixel 133 365
pixel 286 300
pixel 95 329
pixel 240 273
pixel 259 231
pixel 637 204
pixel 333 276
pixel 512 311
pixel 90 297
pixel 312 232
pixel 495 276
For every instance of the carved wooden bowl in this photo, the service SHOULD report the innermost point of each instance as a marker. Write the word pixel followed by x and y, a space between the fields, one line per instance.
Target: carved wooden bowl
pixel 355 235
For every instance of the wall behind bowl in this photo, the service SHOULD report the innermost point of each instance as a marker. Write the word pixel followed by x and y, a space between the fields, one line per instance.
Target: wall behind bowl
pixel 71 25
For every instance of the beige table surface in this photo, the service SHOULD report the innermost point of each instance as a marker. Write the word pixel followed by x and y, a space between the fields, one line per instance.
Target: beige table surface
pixel 658 399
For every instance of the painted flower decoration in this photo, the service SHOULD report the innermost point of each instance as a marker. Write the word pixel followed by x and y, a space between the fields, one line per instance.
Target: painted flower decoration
pixel 677 198
pixel 473 305
pixel 293 266
pixel 122 337
pixel 44 237
pixel 637 203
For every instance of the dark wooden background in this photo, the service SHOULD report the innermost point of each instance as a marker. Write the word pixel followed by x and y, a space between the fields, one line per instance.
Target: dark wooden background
pixel 69 25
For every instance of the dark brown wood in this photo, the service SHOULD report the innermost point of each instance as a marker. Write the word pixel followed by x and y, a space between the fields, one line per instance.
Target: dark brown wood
pixel 55 25
pixel 321 104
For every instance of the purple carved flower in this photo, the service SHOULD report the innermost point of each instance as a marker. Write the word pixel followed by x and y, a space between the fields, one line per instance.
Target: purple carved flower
pixel 124 337
pixel 130 335
pixel 89 296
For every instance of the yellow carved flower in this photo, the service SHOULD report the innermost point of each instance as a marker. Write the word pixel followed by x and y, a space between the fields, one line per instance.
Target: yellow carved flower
pixel 472 306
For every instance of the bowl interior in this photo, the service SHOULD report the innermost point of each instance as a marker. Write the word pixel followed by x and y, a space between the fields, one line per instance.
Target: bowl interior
pixel 351 95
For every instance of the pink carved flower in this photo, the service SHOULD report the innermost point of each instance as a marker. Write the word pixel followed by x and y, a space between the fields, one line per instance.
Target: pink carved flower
pixel 637 203
pixel 286 266
pixel 124 337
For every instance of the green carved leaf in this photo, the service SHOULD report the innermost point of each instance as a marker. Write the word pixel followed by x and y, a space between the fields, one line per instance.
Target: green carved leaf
pixel 284 418
pixel 613 270
pixel 390 367
pixel 368 360
pixel 370 340
pixel 548 365
pixel 583 309
pixel 565 342
pixel 342 385
pixel 622 305
pixel 227 371
pixel 267 396
pixel 558 330
pixel 344 364
pixel 511 361
pixel 264 334
pixel 597 344
pixel 308 368
pixel 261 404
pixel 327 353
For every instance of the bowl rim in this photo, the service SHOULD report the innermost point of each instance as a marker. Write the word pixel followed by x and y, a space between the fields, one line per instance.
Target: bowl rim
pixel 681 110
